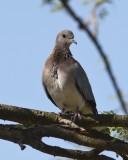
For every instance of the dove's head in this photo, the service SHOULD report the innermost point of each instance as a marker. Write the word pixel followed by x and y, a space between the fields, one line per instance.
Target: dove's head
pixel 65 38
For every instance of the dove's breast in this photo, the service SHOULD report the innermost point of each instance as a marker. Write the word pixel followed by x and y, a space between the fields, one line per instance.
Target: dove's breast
pixel 64 93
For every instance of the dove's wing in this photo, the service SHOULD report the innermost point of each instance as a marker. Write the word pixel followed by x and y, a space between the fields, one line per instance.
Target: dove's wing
pixel 84 87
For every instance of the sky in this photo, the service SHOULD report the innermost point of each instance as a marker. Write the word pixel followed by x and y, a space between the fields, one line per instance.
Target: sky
pixel 27 36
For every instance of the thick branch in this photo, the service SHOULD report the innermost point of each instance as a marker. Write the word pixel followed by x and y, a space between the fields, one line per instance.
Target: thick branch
pixel 53 125
pixel 82 26
pixel 30 116
pixel 87 139
pixel 32 137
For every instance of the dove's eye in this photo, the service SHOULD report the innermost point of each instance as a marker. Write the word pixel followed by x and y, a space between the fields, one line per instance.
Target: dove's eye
pixel 64 36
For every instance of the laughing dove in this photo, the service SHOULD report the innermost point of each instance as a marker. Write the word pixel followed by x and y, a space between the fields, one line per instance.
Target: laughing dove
pixel 65 81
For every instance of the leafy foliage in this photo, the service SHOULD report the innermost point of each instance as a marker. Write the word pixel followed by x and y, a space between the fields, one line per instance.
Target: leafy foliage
pixel 118 132
pixel 99 10
pixel 100 6
pixel 55 4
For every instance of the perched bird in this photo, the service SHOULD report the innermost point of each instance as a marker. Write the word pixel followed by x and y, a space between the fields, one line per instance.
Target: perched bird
pixel 65 81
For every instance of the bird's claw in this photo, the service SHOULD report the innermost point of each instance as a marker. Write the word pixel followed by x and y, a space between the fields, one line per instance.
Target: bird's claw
pixel 76 115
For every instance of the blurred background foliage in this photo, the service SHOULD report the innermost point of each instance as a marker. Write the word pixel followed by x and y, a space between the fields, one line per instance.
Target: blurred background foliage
pixel 98 10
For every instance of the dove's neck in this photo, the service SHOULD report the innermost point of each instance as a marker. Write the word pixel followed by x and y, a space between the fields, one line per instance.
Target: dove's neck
pixel 61 50
pixel 63 47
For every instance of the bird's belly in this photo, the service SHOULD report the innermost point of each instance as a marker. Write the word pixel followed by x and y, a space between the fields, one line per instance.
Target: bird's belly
pixel 66 96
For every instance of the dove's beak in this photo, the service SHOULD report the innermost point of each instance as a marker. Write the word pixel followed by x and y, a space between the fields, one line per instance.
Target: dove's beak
pixel 73 41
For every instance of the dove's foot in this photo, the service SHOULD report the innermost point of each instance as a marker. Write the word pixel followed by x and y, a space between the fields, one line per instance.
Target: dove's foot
pixel 77 115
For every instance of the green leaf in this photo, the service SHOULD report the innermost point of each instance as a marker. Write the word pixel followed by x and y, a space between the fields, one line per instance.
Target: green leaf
pixel 57 8
pixel 103 13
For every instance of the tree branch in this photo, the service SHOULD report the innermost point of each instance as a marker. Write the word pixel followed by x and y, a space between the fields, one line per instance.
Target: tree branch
pixel 32 137
pixel 38 124
pixel 30 116
pixel 82 26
